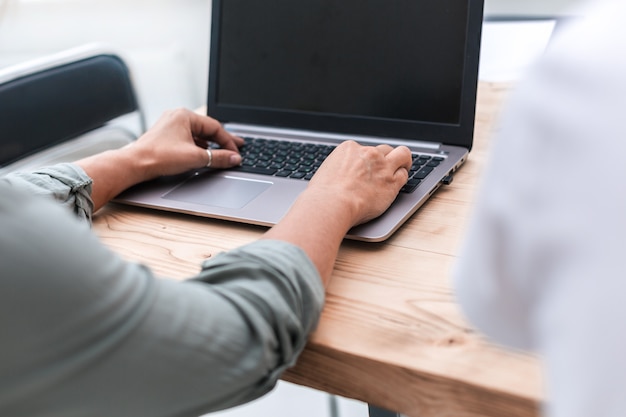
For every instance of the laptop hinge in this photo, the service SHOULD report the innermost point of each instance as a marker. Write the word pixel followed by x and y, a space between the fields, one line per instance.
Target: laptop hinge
pixel 295 134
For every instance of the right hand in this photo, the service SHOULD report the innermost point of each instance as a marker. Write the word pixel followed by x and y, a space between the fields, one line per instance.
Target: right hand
pixel 365 179
pixel 354 184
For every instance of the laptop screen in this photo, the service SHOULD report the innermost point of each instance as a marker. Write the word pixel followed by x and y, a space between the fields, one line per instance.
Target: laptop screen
pixel 396 68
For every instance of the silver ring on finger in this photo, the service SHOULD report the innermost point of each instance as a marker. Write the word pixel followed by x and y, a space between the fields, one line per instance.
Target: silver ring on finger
pixel 208 151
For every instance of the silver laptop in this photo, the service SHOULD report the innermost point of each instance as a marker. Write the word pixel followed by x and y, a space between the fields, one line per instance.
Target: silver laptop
pixel 318 72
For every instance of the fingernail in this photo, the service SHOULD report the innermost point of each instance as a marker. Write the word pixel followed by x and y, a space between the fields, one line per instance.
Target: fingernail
pixel 235 159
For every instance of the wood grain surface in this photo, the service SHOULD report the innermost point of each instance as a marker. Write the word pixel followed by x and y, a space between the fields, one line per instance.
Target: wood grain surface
pixel 391 333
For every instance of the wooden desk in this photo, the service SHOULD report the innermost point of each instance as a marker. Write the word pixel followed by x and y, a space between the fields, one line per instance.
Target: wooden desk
pixel 391 334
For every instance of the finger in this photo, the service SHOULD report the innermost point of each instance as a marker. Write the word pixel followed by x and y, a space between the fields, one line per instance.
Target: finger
pixel 203 126
pixel 401 175
pixel 400 157
pixel 222 158
pixel 227 140
pixel 207 128
pixel 384 148
pixel 206 143
pixel 201 142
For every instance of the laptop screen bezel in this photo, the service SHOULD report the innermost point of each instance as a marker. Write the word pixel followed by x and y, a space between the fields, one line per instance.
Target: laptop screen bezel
pixel 459 134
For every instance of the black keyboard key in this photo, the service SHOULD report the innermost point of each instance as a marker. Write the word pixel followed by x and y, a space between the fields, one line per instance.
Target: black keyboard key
pixel 410 186
pixel 256 170
pixel 423 173
pixel 298 175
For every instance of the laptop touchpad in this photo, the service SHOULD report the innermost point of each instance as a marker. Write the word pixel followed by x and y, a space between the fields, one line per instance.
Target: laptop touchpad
pixel 219 191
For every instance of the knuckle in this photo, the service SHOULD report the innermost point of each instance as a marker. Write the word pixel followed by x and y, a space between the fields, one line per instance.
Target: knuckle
pixel 179 113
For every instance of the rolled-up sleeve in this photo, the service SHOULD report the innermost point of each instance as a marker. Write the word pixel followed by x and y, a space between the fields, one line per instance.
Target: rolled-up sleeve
pixel 273 280
pixel 87 333
pixel 66 183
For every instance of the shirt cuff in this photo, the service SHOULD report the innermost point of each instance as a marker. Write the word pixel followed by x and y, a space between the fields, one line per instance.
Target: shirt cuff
pixel 66 183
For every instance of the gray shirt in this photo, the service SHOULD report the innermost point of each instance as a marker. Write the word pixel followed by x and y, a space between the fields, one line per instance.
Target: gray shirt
pixel 85 333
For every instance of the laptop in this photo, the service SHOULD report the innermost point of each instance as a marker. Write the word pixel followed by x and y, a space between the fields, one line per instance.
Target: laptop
pixel 319 72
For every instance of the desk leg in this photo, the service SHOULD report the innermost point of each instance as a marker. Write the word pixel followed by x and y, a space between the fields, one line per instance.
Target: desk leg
pixel 380 412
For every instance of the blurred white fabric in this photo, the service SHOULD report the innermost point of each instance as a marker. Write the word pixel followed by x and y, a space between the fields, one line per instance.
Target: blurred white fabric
pixel 509 47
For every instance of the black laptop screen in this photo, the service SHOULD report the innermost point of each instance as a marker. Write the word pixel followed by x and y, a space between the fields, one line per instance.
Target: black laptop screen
pixel 368 60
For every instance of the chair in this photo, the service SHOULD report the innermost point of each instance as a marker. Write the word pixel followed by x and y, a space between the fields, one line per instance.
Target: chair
pixel 66 106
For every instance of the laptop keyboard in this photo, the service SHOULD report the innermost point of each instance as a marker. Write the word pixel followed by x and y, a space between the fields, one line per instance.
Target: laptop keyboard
pixel 301 160
pixel 282 158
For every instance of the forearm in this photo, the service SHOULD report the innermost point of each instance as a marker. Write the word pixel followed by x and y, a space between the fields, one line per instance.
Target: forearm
pixel 317 224
pixel 114 171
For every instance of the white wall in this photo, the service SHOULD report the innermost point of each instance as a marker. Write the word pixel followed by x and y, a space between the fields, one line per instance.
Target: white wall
pixel 529 7
pixel 165 41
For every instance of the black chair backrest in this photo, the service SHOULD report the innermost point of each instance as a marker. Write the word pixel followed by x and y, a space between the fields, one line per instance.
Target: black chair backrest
pixel 56 104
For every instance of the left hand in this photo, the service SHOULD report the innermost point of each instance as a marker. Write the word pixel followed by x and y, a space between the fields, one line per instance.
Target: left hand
pixel 178 143
pixel 175 144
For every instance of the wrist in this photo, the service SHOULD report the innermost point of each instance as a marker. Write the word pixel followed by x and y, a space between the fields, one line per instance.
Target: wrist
pixel 317 223
pixel 137 163
pixel 332 205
